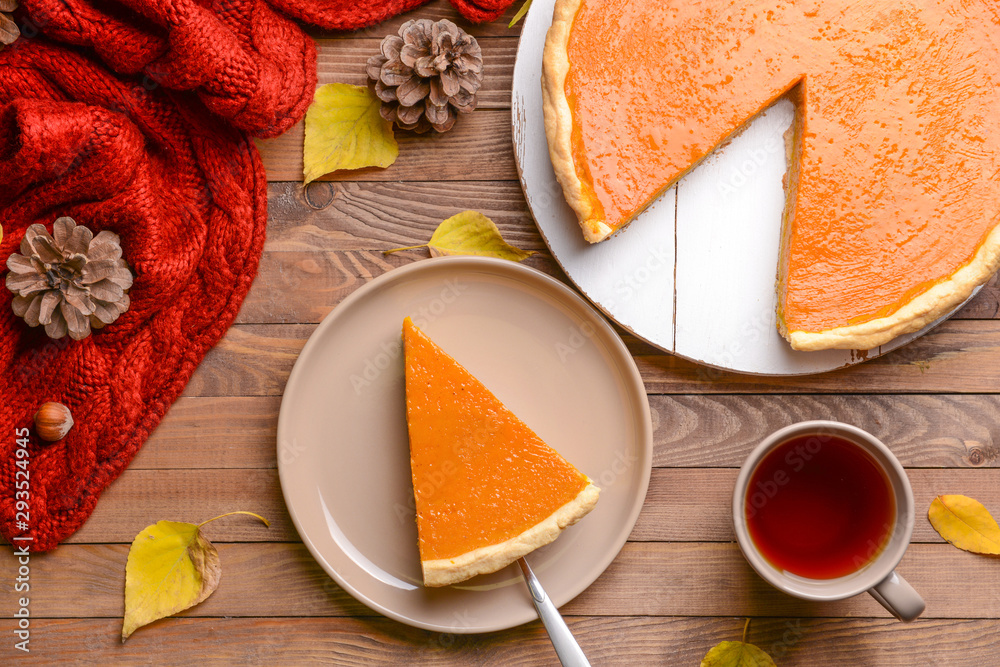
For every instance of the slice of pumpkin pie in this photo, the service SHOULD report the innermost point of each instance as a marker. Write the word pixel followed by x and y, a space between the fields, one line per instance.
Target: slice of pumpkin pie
pixel 488 490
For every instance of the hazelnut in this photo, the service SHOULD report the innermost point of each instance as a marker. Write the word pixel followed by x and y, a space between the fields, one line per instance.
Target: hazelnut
pixel 53 421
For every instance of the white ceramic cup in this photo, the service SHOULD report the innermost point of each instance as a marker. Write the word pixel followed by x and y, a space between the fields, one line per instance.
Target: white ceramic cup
pixel 877 577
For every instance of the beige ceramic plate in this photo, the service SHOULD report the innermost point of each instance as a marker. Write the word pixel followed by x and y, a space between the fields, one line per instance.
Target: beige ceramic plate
pixel 343 453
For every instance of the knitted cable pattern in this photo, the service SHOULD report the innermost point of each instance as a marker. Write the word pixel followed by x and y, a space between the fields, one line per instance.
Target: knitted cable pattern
pixel 247 63
pixel 186 193
pixel 482 10
pixel 352 14
pixel 344 14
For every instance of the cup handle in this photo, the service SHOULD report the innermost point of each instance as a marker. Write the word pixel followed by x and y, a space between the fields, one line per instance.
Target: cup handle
pixel 898 597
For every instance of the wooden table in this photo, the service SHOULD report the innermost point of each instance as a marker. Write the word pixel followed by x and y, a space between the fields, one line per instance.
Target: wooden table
pixel 678 587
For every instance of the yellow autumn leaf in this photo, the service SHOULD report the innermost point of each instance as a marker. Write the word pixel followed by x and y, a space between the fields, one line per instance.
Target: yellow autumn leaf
pixel 737 654
pixel 345 131
pixel 170 568
pixel 470 233
pixel 965 523
pixel 520 13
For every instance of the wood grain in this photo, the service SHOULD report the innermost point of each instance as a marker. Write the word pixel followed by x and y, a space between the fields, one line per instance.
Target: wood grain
pixel 304 286
pixel 695 505
pixel 478 148
pixel 142 497
pixel 986 304
pixel 689 430
pixel 682 504
pixel 217 432
pixel 960 356
pixel 610 640
pixel 343 61
pixel 929 431
pixel 957 357
pixel 380 216
pixel 702 579
pixel 647 579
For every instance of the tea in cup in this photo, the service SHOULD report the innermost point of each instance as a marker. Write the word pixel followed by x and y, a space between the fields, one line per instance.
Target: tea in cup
pixel 824 511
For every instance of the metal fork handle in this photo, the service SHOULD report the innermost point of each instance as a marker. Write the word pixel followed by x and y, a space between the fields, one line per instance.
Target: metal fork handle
pixel 569 652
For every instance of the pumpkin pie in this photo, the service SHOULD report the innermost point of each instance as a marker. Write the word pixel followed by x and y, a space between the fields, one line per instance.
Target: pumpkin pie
pixel 893 188
pixel 488 490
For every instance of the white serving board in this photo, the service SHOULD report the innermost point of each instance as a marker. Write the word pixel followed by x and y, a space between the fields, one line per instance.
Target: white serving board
pixel 694 274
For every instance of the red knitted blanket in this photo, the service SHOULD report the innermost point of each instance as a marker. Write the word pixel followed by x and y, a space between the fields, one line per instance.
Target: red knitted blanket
pixel 155 149
pixel 248 64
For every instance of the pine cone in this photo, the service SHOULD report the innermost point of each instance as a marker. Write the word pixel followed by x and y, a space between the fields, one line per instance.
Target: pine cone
pixel 69 281
pixel 427 75
pixel 8 29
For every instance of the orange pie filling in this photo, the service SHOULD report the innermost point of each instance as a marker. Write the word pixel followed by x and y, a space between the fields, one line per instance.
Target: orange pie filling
pixel 894 178
pixel 481 477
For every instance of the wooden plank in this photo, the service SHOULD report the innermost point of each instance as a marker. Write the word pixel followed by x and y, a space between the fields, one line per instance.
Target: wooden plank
pixel 607 640
pixel 695 504
pixel 139 498
pixel 303 286
pixel 380 216
pixel 697 579
pixel 957 357
pixel 682 504
pixel 343 61
pixel 87 581
pixel 214 432
pixel 478 148
pixel 647 579
pixel 250 360
pixel 689 431
pixel 985 305
pixel 927 431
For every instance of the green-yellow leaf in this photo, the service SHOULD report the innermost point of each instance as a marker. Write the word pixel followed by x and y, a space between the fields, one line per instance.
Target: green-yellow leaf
pixel 737 654
pixel 345 131
pixel 470 233
pixel 170 568
pixel 965 523
pixel 520 13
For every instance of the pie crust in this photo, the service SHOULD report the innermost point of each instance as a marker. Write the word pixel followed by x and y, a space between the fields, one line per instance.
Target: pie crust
pixel 484 560
pixel 559 121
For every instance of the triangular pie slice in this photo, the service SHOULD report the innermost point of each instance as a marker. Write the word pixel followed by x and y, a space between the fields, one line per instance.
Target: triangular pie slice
pixel 488 490
pixel 892 215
